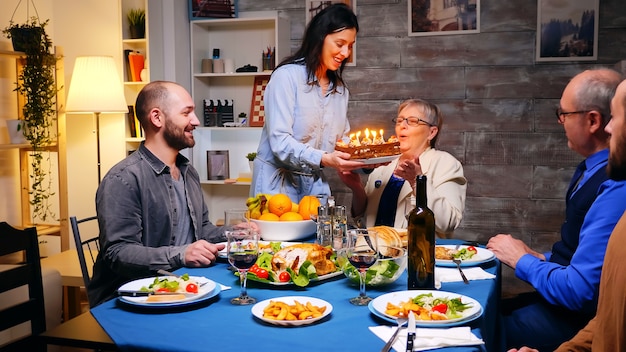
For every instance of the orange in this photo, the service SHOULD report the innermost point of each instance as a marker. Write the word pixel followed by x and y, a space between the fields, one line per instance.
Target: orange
pixel 308 206
pixel 269 217
pixel 279 204
pixel 291 216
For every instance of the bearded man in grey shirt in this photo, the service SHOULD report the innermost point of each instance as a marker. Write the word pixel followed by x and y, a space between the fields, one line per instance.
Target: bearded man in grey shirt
pixel 151 211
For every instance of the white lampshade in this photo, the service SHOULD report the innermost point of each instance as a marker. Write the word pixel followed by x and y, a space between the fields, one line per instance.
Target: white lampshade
pixel 96 86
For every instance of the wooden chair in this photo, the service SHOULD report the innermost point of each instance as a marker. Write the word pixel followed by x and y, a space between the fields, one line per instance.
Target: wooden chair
pixel 89 244
pixel 27 273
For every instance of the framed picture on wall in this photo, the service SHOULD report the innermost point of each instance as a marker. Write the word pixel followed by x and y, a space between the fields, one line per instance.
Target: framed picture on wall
pixel 313 7
pixel 567 30
pixel 443 17
pixel 257 107
pixel 206 9
pixel 217 164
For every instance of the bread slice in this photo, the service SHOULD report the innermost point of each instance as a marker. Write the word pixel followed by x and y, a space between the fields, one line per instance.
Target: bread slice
pixel 387 237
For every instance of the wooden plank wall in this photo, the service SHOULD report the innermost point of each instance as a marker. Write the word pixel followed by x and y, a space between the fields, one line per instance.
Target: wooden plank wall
pixel 497 101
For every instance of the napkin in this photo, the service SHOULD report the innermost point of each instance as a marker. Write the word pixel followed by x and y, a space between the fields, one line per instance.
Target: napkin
pixel 452 275
pixel 428 339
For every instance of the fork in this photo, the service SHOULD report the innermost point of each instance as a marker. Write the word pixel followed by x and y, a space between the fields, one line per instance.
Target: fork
pixel 401 322
pixel 458 265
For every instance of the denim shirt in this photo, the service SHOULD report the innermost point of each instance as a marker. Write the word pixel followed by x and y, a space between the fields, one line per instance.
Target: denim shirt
pixel 135 204
pixel 301 124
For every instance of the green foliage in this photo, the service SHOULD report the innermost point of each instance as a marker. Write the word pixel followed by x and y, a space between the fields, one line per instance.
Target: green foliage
pixel 36 82
pixel 251 156
pixel 136 17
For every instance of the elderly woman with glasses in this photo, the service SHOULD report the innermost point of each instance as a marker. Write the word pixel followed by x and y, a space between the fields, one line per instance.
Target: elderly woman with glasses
pixel 417 127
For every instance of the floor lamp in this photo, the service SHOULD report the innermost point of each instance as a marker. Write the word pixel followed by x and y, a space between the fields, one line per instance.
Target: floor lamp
pixel 96 88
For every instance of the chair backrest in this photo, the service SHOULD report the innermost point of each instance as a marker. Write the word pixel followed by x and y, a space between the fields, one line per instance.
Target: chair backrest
pixel 87 247
pixel 28 273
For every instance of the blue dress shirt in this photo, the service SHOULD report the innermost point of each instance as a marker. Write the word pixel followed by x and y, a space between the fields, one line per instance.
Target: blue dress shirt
pixel 575 286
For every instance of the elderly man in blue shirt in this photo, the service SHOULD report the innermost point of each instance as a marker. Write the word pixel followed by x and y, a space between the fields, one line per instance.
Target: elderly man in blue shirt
pixel 566 280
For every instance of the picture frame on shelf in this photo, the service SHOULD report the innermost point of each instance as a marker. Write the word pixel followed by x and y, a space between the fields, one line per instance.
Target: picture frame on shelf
pixel 217 164
pixel 444 17
pixel 568 32
pixel 312 7
pixel 208 9
pixel 257 106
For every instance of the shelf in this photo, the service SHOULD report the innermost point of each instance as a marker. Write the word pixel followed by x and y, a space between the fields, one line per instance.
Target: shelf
pixel 134 140
pixel 10 146
pixel 222 183
pixel 12 53
pixel 231 129
pixel 141 83
pixel 236 74
pixel 139 41
pixel 48 229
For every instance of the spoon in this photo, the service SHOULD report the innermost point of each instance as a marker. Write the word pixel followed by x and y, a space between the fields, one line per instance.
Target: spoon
pixel 458 265
pixel 401 322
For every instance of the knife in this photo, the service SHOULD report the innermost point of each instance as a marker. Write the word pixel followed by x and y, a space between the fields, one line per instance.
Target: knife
pixel 410 336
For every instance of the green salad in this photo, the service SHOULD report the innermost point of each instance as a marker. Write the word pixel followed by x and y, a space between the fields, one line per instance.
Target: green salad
pixel 381 273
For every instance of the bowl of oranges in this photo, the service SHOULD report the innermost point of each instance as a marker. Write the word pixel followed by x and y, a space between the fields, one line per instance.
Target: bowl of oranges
pixel 279 218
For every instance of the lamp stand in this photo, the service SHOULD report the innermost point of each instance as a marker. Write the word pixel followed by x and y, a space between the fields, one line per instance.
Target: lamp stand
pixel 98 143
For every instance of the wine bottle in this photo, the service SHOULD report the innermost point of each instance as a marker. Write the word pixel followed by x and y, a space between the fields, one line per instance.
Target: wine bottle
pixel 421 235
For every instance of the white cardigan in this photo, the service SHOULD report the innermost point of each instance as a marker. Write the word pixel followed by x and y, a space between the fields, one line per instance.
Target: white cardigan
pixel 445 191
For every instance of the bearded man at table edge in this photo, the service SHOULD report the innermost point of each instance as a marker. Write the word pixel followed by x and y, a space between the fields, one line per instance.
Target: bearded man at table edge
pixel 150 206
pixel 605 332
pixel 566 279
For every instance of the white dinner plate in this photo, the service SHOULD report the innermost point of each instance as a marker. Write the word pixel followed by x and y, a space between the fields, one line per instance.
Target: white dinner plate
pixel 378 306
pixel 209 290
pixel 257 310
pixel 379 160
pixel 482 256
pixel 222 253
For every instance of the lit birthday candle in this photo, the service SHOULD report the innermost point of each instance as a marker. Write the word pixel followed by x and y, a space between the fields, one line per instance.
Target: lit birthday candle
pixel 366 140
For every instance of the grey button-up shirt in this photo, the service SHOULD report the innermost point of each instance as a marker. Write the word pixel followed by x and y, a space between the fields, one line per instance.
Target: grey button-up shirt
pixel 135 204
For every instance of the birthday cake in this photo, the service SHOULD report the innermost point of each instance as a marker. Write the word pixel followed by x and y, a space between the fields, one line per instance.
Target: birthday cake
pixel 372 145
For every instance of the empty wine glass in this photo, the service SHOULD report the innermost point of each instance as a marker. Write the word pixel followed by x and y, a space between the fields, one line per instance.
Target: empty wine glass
pixel 233 217
pixel 362 252
pixel 243 250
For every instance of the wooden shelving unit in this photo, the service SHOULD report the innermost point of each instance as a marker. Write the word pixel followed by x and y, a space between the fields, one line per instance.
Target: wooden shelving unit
pixel 60 172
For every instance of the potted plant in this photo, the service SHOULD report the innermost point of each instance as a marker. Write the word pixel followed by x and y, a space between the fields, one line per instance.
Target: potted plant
pixel 250 157
pixel 36 83
pixel 137 23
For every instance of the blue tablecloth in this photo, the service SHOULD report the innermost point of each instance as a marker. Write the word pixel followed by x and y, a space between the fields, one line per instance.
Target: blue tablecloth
pixel 219 325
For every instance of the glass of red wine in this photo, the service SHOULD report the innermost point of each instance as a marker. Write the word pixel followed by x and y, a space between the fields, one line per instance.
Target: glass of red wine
pixel 362 252
pixel 243 250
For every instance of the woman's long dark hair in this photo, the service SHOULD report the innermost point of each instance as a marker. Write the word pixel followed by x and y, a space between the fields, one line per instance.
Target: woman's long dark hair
pixel 332 19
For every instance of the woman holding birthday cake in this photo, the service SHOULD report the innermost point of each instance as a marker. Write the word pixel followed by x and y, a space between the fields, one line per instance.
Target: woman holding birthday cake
pixel 417 127
pixel 306 104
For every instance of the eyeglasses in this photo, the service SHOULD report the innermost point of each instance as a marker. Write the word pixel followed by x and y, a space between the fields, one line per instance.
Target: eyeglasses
pixel 560 114
pixel 411 121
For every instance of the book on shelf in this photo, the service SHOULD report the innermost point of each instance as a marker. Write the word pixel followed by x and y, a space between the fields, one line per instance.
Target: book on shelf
pixel 136 63
pixel 134 126
pixel 128 76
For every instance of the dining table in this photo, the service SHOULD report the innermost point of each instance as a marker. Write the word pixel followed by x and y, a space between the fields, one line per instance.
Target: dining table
pixel 216 324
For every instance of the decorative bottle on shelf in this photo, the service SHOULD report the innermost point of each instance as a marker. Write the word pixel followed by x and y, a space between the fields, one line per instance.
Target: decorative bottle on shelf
pixel 421 234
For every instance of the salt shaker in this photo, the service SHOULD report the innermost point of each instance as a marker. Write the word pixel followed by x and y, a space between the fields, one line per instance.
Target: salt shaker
pixel 340 226
pixel 324 228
